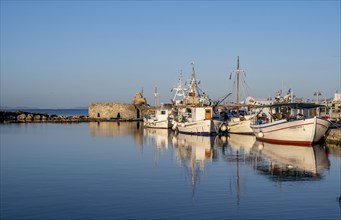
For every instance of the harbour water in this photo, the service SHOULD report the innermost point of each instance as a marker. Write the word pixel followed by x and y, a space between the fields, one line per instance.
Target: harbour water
pixel 111 170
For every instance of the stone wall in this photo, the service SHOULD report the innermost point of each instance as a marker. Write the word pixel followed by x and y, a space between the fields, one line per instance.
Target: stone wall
pixel 114 110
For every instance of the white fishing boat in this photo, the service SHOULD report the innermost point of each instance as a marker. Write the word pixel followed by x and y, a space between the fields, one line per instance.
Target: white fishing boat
pixel 239 124
pixel 199 121
pixel 289 126
pixel 161 119
pixel 196 118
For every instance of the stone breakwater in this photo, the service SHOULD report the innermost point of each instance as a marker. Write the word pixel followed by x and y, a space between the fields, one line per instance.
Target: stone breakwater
pixel 23 117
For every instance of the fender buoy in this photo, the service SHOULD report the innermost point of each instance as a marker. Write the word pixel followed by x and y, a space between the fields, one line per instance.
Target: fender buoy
pixel 223 128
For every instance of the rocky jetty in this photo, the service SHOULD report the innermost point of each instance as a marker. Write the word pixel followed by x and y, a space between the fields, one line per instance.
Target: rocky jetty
pixel 21 116
pixel 27 117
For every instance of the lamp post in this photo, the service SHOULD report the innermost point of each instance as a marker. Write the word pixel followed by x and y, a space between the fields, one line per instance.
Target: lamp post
pixel 317 94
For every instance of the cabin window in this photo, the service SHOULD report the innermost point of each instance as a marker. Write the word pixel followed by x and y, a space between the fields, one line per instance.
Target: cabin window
pixel 208 114
pixel 163 112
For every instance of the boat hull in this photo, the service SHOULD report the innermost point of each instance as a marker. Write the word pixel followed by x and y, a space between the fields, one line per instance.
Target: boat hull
pixel 298 132
pixel 157 124
pixel 204 127
pixel 240 127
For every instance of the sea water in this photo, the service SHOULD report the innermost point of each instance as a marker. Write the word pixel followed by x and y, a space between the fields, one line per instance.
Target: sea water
pixel 111 170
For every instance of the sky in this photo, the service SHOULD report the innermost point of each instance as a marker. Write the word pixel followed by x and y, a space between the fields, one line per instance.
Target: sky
pixel 66 54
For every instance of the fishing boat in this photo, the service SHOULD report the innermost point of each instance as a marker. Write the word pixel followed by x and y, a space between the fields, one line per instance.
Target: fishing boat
pixel 199 121
pixel 161 119
pixel 292 123
pixel 239 124
pixel 196 117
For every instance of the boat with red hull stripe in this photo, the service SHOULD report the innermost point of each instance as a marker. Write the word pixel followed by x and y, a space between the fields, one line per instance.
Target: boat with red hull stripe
pixel 299 132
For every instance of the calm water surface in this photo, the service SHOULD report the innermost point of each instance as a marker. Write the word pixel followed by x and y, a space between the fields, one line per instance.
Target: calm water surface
pixel 113 170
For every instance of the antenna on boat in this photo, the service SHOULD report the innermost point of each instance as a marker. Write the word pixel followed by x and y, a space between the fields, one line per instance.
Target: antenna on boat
pixel 156 97
pixel 179 90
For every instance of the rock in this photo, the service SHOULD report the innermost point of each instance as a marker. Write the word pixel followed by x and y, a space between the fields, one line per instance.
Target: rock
pixel 43 118
pixel 37 118
pixel 29 117
pixel 21 117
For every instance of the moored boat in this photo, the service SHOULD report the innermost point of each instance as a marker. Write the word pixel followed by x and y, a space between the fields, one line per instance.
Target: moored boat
pixel 294 128
pixel 196 117
pixel 239 124
pixel 161 119
pixel 199 121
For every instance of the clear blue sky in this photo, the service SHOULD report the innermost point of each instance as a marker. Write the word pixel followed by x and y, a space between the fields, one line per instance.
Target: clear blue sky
pixel 61 54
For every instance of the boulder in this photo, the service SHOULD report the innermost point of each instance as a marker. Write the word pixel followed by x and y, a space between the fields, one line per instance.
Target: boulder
pixel 29 117
pixel 36 118
pixel 21 117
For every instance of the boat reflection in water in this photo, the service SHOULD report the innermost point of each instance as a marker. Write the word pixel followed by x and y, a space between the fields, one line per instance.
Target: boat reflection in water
pixel 159 138
pixel 193 152
pixel 243 143
pixel 290 162
pixel 236 154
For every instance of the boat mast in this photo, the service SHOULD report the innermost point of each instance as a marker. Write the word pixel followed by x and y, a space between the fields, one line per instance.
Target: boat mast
pixel 237 96
pixel 192 86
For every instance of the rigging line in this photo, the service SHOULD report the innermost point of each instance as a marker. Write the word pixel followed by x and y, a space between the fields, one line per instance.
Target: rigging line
pixel 246 85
